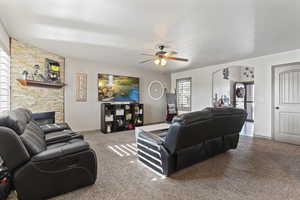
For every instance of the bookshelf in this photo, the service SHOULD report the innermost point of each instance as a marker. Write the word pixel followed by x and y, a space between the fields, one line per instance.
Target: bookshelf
pixel 121 117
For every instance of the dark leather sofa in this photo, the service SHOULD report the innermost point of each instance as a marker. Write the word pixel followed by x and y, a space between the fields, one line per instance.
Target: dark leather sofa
pixel 41 169
pixel 191 138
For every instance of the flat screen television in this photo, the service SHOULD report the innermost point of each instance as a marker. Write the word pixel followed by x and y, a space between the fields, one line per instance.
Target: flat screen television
pixel 118 88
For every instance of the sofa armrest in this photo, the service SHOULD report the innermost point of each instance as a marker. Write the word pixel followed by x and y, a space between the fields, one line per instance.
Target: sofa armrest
pixel 151 137
pixel 60 136
pixel 153 153
pixel 61 149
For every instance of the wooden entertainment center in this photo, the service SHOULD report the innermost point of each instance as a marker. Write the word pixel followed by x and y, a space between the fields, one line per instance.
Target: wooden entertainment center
pixel 121 117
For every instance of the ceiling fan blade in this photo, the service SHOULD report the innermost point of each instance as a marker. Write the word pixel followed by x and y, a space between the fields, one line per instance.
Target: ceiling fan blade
pixel 146 61
pixel 170 53
pixel 179 59
pixel 146 54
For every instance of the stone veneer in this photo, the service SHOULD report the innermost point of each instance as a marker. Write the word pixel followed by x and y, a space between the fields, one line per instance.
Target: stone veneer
pixel 37 99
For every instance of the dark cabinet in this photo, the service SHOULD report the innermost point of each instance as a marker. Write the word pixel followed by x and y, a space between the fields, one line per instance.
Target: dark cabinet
pixel 120 117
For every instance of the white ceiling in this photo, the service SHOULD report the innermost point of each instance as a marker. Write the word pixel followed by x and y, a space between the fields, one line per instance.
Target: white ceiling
pixel 117 31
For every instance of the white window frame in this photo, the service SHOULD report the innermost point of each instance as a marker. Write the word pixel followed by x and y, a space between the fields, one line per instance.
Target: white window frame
pixel 4 81
pixel 184 107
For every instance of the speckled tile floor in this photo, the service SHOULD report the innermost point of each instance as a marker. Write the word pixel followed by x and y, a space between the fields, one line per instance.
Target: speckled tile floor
pixel 258 170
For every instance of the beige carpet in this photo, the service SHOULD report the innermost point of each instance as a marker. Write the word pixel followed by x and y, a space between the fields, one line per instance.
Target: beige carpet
pixel 258 170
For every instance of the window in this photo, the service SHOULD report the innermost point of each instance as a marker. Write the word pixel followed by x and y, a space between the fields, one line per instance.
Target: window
pixel 184 94
pixel 4 82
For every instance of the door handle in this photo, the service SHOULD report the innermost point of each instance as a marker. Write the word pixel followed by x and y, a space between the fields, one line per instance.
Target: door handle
pixel 277 108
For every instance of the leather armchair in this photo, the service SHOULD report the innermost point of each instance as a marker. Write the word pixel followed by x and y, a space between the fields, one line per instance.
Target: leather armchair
pixel 42 170
pixel 191 138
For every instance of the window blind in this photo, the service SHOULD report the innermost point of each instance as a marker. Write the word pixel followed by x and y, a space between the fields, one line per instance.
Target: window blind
pixel 4 82
pixel 183 91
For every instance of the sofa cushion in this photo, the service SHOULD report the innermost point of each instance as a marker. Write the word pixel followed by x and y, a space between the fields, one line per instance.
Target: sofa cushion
pixel 225 111
pixel 192 117
pixel 59 136
pixel 227 120
pixel 33 138
pixel 16 120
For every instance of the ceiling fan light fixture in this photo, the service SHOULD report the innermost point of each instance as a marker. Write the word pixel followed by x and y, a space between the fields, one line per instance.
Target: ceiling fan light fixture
pixel 157 61
pixel 162 57
pixel 163 62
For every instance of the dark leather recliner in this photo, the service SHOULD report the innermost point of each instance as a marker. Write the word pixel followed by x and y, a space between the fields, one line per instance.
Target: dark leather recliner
pixel 40 170
pixel 191 138
pixel 54 132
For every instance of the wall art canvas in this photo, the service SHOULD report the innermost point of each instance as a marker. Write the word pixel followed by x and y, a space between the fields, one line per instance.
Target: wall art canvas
pixel 81 87
pixel 118 88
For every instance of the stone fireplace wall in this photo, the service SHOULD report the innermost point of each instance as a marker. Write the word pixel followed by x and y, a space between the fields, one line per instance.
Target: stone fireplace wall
pixel 37 99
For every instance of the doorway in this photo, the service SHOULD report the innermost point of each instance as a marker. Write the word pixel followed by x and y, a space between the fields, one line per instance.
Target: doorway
pixel 286 103
pixel 234 87
pixel 244 98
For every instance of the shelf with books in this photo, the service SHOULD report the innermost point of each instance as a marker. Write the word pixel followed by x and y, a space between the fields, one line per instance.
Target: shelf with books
pixel 121 117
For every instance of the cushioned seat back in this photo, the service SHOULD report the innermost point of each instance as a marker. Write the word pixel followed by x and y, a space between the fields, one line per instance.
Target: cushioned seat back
pixel 20 120
pixel 188 130
pixel 227 120
pixel 16 120
pixel 34 138
pixel 193 128
pixel 12 149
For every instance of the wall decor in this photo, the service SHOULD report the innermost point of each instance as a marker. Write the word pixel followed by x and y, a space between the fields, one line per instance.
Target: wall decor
pixel 118 88
pixel 36 72
pixel 25 75
pixel 52 70
pixel 248 72
pixel 81 87
pixel 226 73
pixel 37 76
pixel 156 90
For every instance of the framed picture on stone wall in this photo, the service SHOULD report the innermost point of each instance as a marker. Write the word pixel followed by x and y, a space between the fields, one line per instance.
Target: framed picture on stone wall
pixel 81 87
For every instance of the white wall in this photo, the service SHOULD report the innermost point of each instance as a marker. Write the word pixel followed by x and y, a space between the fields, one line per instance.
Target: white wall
pixel 202 85
pixel 4 39
pixel 86 115
pixel 235 73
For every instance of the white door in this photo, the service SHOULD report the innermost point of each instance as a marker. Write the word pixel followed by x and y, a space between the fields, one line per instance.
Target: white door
pixel 287 104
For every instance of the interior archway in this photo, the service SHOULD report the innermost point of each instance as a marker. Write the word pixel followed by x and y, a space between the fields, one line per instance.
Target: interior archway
pixel 234 86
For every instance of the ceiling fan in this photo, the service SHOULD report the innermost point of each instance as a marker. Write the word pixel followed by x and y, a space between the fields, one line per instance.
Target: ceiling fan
pixel 161 56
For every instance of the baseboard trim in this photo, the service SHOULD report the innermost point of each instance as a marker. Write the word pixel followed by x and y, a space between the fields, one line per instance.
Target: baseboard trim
pixel 262 137
pixel 89 131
